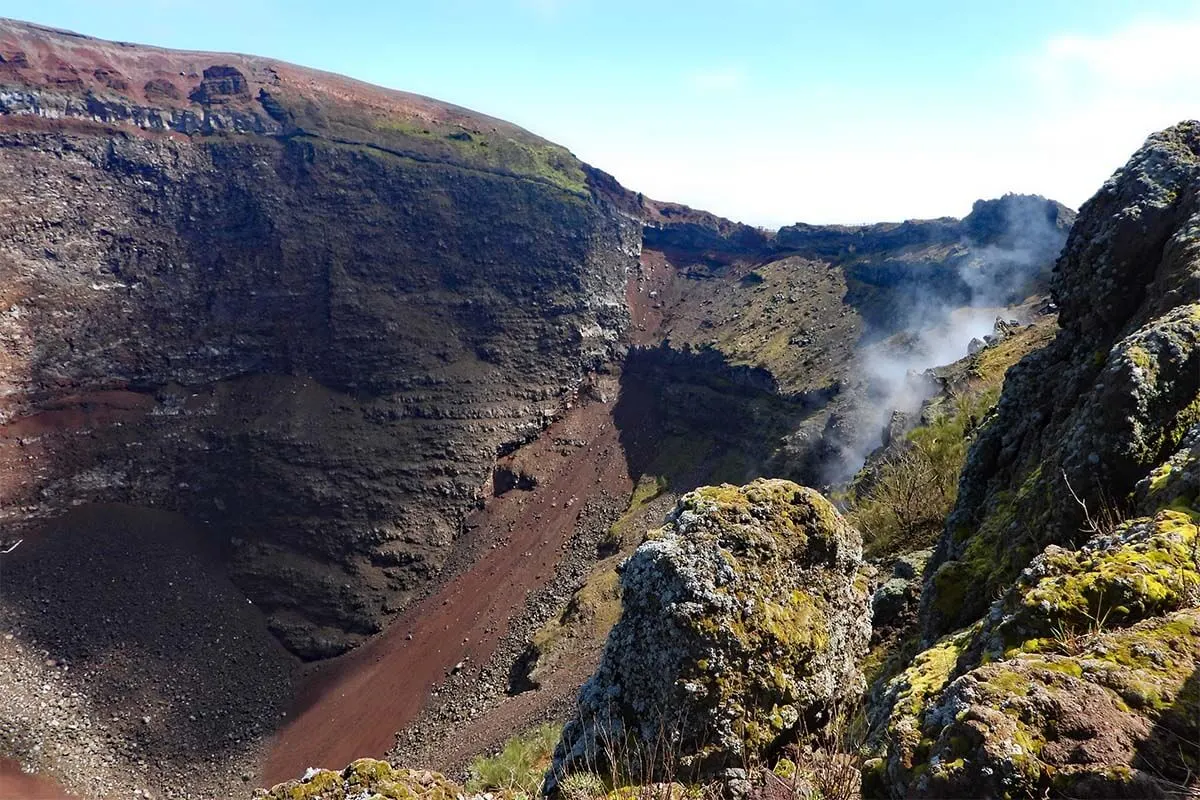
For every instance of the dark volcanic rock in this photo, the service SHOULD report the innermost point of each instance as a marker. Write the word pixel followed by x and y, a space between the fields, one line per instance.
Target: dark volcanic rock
pixel 311 343
pixel 220 84
pixel 1077 508
pixel 160 88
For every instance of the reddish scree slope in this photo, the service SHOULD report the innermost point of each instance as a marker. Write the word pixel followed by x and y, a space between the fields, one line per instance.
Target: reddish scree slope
pixel 17 785
pixel 353 706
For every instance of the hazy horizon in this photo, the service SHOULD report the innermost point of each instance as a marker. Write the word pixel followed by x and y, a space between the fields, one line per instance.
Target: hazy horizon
pixel 767 113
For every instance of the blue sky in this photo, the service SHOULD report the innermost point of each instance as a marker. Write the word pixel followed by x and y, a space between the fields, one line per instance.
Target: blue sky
pixel 767 112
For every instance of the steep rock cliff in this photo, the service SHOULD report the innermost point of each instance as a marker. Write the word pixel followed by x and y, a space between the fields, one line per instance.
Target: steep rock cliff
pixel 307 311
pixel 1109 400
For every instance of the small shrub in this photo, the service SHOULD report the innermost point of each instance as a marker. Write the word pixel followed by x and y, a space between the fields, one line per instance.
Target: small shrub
pixel 521 764
pixel 582 786
pixel 826 764
pixel 914 488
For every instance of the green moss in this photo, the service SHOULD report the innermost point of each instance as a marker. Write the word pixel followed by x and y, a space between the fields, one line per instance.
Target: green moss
pixel 627 529
pixel 1011 683
pixel 785 768
pixel 1082 590
pixel 590 613
pixel 991 363
pixel 368 777
pixel 798 624
pixel 930 672
pixel 530 158
pixel 1181 423
pixel 1159 477
pixel 995 553
pixel 1142 360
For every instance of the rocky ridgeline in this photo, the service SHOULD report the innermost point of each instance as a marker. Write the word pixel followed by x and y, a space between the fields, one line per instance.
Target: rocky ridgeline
pixel 742 620
pixel 1078 509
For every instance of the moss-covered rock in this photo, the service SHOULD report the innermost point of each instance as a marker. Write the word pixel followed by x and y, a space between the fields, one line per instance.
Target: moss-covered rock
pixel 742 615
pixel 368 779
pixel 1061 641
pixel 1089 418
pixel 1175 482
pixel 1116 720
pixel 1147 567
pixel 1063 683
pixel 899 734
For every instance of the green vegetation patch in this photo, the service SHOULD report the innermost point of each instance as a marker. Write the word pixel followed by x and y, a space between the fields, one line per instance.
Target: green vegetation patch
pixel 493 151
pixel 520 765
pixel 1150 569
pixel 368 777
pixel 901 504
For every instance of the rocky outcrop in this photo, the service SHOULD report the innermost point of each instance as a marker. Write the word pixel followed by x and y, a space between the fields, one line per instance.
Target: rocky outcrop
pixel 1078 507
pixel 741 618
pixel 368 778
pixel 1077 681
pixel 1082 421
pixel 315 337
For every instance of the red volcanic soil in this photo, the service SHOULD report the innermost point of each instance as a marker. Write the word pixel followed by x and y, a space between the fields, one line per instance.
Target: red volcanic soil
pixel 18 785
pixel 650 297
pixel 353 706
pixel 60 60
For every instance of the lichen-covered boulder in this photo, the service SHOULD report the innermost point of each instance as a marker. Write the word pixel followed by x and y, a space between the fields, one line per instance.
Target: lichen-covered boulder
pixel 368 779
pixel 1146 567
pixel 1175 482
pixel 1118 719
pixel 1076 681
pixel 744 614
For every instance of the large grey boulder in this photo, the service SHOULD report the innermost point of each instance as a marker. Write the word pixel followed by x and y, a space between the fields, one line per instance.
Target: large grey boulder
pixel 742 616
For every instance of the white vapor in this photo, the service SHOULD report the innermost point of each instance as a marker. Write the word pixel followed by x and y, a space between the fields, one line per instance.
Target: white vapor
pixel 936 330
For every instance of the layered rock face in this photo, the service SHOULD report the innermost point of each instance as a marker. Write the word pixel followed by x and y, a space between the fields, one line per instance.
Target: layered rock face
pixel 306 311
pixel 742 619
pixel 312 312
pixel 1077 509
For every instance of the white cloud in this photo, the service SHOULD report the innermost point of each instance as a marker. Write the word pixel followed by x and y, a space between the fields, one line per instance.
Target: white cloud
pixel 1148 54
pixel 1075 108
